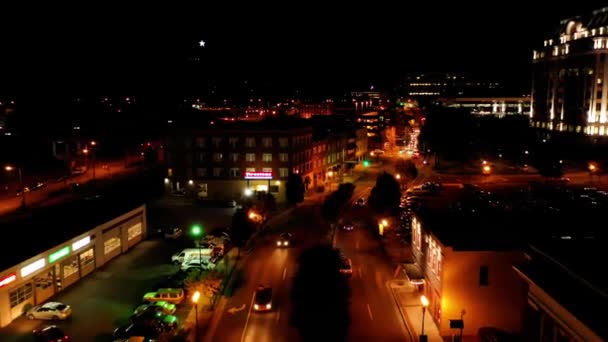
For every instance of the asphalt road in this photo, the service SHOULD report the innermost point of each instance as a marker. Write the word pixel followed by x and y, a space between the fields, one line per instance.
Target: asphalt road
pixel 374 314
pixel 271 266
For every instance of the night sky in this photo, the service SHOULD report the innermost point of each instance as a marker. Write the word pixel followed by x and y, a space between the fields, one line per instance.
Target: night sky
pixel 115 49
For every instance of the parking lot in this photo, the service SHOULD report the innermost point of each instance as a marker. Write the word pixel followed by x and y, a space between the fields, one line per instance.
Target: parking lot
pixel 105 299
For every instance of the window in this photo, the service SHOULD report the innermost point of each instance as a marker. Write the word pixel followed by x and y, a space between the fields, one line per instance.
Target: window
pixel 250 169
pixel 283 157
pixel 201 157
pixel 217 172
pixel 250 142
pixel 267 169
pixel 110 245
pixel 233 142
pixel 283 172
pixel 235 172
pixel 201 172
pixel 218 157
pixel 274 188
pixel 86 257
pixel 267 142
pixel 217 142
pixel 283 142
pixel 234 157
pixel 250 157
pixel 134 231
pixel 598 107
pixel 70 268
pixel 599 95
pixel 200 142
pixel 483 276
pixel 267 157
pixel 20 294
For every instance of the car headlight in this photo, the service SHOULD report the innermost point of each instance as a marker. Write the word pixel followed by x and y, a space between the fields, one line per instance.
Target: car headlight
pixel 278 243
pixel 286 243
pixel 268 306
pixel 256 307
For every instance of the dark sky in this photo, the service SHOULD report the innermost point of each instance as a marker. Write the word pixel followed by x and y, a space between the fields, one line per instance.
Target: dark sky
pixel 125 49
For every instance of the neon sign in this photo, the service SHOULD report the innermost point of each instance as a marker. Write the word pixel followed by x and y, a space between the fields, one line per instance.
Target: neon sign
pixel 258 175
pixel 81 243
pixel 33 267
pixel 59 254
pixel 8 279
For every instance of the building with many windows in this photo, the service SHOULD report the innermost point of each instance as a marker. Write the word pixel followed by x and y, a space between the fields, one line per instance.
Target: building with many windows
pixel 570 70
pixel 226 160
pixel 448 84
pixel 55 252
pixel 497 106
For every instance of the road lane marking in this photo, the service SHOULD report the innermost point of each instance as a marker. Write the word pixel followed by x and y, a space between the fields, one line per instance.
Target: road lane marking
pixel 278 315
pixel 369 311
pixel 248 316
pixel 284 273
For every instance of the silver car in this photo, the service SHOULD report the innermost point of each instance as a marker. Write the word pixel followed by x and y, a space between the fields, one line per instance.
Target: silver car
pixel 50 310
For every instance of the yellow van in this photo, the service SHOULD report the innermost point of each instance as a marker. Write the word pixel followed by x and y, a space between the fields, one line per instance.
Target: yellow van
pixel 175 296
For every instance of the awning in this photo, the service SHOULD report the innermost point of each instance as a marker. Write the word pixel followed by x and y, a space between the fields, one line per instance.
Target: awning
pixel 414 274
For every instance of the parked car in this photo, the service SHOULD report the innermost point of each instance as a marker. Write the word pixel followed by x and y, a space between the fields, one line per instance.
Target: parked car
pixel 204 264
pixel 140 330
pixel 50 334
pixel 152 318
pixel 173 233
pixel 50 311
pixel 175 296
pixel 160 306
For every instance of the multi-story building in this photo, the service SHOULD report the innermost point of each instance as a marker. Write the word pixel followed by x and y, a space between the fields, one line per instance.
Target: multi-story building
pixel 570 70
pixel 498 106
pixel 227 160
pixel 448 84
pixel 466 262
pixel 566 296
pixel 308 109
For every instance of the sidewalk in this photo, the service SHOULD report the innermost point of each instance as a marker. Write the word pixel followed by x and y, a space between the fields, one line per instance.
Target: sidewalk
pixel 408 300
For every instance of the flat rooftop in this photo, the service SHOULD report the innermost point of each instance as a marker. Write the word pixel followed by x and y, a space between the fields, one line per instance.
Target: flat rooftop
pixel 570 272
pixel 46 227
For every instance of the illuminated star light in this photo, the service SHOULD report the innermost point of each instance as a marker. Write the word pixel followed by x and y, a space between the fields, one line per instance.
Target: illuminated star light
pixel 201 43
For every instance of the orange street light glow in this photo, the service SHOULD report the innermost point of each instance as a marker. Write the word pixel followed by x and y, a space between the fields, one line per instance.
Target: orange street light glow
pixel 424 301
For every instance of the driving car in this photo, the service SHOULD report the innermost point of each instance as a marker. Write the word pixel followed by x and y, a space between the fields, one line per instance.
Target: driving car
pixel 348 226
pixel 50 334
pixel 263 299
pixel 347 267
pixel 160 306
pixel 360 202
pixel 50 310
pixel 284 240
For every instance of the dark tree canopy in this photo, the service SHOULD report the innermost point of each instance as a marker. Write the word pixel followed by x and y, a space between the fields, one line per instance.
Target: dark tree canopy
pixel 294 189
pixel 386 194
pixel 241 229
pixel 330 209
pixel 320 295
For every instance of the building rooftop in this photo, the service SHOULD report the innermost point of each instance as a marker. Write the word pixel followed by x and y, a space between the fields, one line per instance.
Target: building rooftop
pixel 509 219
pixel 47 227
pixel 231 124
pixel 569 272
pixel 595 19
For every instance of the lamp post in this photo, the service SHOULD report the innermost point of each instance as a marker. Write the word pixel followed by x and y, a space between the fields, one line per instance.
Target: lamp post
pixel 196 231
pixel 195 298
pixel 425 303
pixel 9 168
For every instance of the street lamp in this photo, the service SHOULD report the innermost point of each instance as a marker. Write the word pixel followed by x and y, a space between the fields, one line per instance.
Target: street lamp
pixel 329 175
pixel 385 222
pixel 195 298
pixel 196 231
pixel 10 168
pixel 425 303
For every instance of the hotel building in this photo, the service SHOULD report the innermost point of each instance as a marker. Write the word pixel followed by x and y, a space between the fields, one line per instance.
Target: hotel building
pixel 569 73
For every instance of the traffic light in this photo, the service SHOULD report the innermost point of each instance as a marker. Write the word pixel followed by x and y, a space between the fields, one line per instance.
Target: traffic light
pixel 196 231
pixel 366 163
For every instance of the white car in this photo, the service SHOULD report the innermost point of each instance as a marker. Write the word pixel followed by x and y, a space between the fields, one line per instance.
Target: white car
pixel 196 263
pixel 50 310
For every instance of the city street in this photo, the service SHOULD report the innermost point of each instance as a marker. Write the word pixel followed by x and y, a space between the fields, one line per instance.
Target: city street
pixel 373 311
pixel 271 266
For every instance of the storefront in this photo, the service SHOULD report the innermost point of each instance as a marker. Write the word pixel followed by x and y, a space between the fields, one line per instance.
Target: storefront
pixel 39 278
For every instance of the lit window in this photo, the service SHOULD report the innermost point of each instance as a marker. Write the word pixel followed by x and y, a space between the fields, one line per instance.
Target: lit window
pixel 283 172
pixel 110 245
pixel 283 157
pixel 235 172
pixel 134 231
pixel 234 157
pixel 267 157
pixel 218 157
pixel 250 157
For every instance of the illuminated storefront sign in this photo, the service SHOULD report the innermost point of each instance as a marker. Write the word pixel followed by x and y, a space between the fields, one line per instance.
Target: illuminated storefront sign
pixel 33 267
pixel 81 243
pixel 8 279
pixel 258 175
pixel 59 254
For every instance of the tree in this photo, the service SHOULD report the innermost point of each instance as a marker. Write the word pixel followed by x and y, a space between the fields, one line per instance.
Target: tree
pixel 318 280
pixel 294 189
pixel 241 230
pixel 386 194
pixel 207 283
